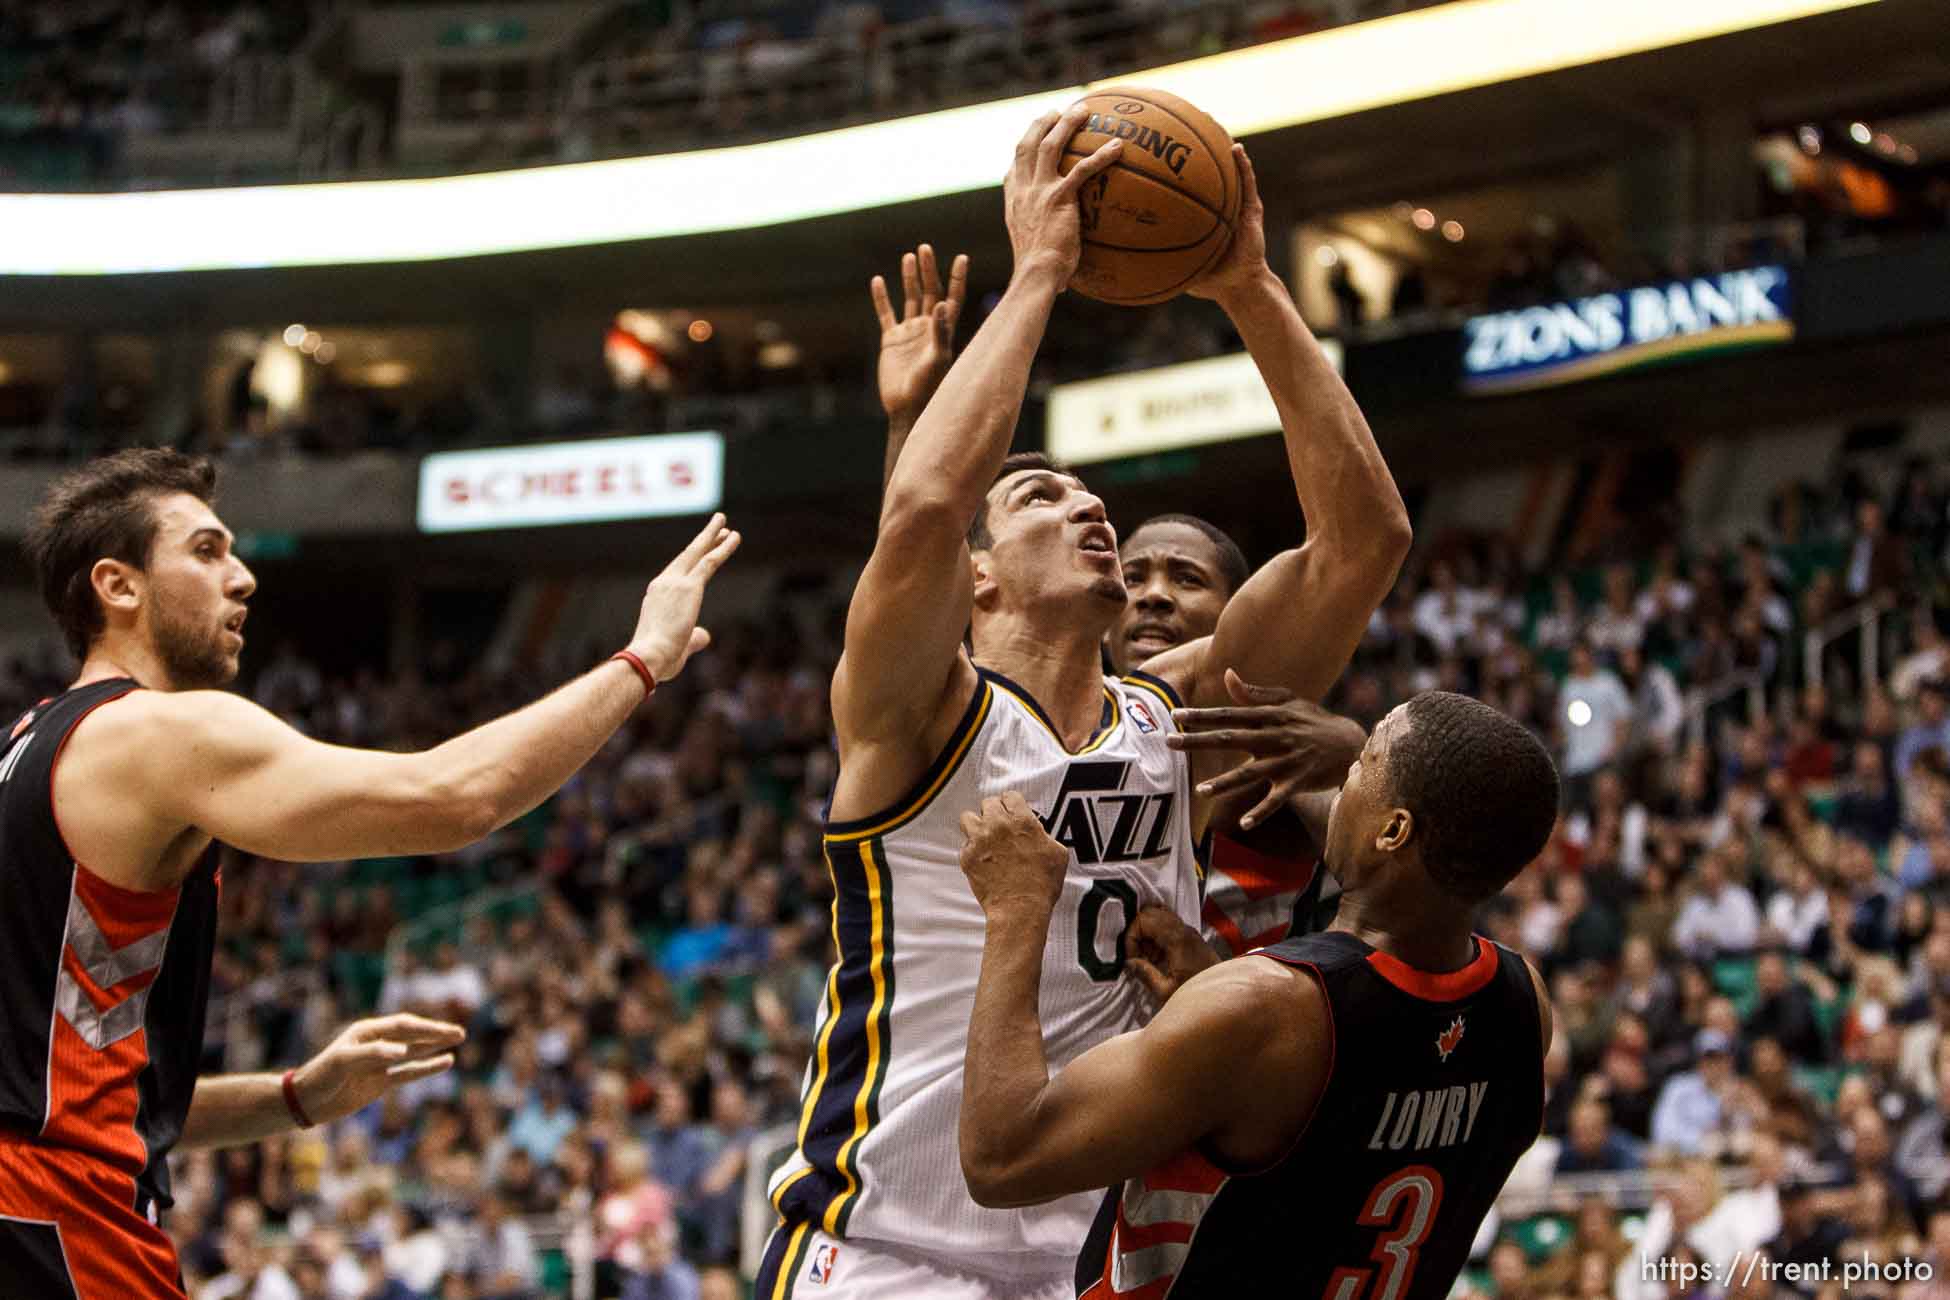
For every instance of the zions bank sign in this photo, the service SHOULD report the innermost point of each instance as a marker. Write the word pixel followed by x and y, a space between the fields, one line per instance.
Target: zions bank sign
pixel 1562 342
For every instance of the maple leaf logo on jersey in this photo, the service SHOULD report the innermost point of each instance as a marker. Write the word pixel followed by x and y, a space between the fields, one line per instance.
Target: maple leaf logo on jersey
pixel 1446 1041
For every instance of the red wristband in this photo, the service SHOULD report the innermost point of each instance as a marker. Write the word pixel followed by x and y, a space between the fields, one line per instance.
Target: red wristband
pixel 291 1099
pixel 642 670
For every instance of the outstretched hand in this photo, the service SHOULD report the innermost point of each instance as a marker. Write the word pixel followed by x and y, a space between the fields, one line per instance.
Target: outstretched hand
pixel 917 346
pixel 1039 199
pixel 1297 746
pixel 667 634
pixel 369 1059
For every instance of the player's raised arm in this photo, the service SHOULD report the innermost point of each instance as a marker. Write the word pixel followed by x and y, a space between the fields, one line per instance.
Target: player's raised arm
pixel 1209 1069
pixel 1295 623
pixel 917 346
pixel 911 605
pixel 219 763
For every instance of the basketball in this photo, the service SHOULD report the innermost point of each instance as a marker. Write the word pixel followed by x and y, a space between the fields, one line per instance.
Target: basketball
pixel 1163 213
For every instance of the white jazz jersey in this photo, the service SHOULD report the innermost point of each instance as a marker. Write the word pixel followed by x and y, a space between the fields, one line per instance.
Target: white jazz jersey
pixel 877 1157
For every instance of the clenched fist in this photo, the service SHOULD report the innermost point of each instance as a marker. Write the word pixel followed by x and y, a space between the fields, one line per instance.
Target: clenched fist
pixel 1011 862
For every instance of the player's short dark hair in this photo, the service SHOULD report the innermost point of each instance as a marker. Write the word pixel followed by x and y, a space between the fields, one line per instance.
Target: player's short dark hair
pixel 104 510
pixel 1233 569
pixel 1481 788
pixel 979 537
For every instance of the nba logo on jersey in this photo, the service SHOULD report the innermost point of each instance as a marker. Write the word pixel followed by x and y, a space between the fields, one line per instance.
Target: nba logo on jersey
pixel 1142 716
pixel 825 1256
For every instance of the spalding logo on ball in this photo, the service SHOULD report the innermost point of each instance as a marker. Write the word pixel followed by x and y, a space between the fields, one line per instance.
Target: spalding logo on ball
pixel 1163 213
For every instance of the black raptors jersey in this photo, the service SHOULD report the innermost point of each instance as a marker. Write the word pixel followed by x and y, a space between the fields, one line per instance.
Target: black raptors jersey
pixel 102 988
pixel 1435 1088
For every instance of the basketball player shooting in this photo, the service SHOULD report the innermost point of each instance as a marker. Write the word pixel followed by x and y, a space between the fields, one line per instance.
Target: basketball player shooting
pixel 1261 880
pixel 1378 1080
pixel 112 794
pixel 1018 553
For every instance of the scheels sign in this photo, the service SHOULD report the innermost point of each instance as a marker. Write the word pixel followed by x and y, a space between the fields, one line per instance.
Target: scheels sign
pixel 572 482
pixel 1560 342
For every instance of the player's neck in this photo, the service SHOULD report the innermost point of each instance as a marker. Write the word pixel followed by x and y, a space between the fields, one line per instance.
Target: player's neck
pixel 1064 674
pixel 1433 940
pixel 116 656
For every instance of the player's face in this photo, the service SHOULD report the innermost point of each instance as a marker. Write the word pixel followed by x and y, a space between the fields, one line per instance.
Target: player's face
pixel 1050 539
pixel 1363 805
pixel 1177 592
pixel 196 592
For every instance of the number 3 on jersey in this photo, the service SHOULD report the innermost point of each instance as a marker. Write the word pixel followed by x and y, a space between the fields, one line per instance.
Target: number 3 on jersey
pixel 1405 1201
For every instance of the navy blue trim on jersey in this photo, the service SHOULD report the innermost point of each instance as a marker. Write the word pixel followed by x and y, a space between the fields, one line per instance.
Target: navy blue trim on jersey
pixel 930 782
pixel 1157 684
pixel 852 1050
pixel 1106 719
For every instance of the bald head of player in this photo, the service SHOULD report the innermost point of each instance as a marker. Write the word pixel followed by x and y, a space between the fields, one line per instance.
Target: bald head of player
pixel 138 570
pixel 1179 571
pixel 1448 801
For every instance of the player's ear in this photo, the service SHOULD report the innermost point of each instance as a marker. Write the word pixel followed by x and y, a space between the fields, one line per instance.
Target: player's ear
pixel 984 577
pixel 118 586
pixel 1395 831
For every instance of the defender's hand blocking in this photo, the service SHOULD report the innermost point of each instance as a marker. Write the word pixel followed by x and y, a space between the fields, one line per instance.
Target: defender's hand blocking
pixel 1040 203
pixel 1246 259
pixel 369 1059
pixel 667 634
pixel 917 347
pixel 1300 747
pixel 1011 862
pixel 1163 952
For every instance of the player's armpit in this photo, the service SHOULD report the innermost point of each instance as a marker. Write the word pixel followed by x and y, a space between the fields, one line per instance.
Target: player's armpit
pixel 904 625
pixel 1296 622
pixel 220 763
pixel 1235 1061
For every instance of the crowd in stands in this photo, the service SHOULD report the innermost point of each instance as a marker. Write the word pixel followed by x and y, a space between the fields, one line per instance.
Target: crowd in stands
pixel 1740 920
pixel 76 77
pixel 653 75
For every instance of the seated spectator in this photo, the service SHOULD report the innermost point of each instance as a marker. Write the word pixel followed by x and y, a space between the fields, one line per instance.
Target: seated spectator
pixel 637 1210
pixel 1595 1146
pixel 1922 1152
pixel 1784 1011
pixel 1692 1104
pixel 1719 916
pixel 1869 808
pixel 1932 727
pixel 500 1255
pixel 1588 930
pixel 1809 1236
pixel 1798 912
pixel 662 1273
pixel 1616 626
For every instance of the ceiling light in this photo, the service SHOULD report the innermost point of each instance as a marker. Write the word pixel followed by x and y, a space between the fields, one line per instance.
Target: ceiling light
pixel 293 335
pixel 1424 219
pixel 1859 132
pixel 700 330
pixel 1453 231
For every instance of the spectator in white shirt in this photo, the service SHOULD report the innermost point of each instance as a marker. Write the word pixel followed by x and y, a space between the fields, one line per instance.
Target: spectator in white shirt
pixel 1798 911
pixel 1617 626
pixel 1596 714
pixel 1658 708
pixel 1558 629
pixel 1445 614
pixel 1719 917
